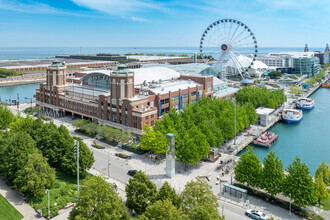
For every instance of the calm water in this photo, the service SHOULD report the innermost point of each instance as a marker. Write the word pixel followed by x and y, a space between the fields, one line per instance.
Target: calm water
pixel 20 53
pixel 10 92
pixel 309 139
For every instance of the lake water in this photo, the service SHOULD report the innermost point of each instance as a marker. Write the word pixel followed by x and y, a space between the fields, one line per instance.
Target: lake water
pixel 10 92
pixel 308 139
pixel 20 53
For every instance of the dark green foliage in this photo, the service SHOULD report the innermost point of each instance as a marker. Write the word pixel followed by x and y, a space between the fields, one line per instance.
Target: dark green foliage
pixel 23 165
pixel 275 74
pixel 249 169
pixel 6 72
pixel 300 184
pixel 140 192
pixel 98 200
pixel 260 97
pixel 204 124
pixel 166 192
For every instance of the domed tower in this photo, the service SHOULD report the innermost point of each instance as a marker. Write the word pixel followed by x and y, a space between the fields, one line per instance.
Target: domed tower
pixel 56 74
pixel 122 83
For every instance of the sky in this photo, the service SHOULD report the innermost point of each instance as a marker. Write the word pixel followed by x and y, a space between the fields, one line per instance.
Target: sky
pixel 158 23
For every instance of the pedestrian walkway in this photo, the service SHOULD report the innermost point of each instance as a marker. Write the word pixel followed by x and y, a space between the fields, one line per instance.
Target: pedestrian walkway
pixel 17 200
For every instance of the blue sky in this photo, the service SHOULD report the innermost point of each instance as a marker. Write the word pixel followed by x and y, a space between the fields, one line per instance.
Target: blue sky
pixel 140 23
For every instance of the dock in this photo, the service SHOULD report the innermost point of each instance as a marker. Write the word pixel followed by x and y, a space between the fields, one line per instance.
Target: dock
pixel 243 141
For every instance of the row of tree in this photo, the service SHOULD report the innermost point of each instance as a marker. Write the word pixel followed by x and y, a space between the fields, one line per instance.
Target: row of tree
pixel 98 200
pixel 104 132
pixel 31 151
pixel 260 97
pixel 198 127
pixel 272 178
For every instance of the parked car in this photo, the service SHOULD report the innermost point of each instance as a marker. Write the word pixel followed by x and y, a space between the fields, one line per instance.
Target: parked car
pixel 132 172
pixel 256 214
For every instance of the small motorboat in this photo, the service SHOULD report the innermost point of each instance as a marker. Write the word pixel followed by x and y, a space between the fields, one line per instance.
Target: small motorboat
pixel 305 103
pixel 266 139
pixel 292 115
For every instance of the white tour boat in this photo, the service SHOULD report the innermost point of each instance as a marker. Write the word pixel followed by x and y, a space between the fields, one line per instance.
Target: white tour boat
pixel 292 115
pixel 305 103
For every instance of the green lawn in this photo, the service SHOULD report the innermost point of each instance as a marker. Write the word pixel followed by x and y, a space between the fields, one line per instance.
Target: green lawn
pixel 7 211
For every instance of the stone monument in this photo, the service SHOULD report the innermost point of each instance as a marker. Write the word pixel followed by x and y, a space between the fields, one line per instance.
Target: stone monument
pixel 170 155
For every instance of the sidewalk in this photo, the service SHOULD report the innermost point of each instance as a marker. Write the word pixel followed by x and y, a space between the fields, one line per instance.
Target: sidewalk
pixel 17 200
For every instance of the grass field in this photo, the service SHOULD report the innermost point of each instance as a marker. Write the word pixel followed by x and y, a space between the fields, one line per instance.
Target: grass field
pixel 7 211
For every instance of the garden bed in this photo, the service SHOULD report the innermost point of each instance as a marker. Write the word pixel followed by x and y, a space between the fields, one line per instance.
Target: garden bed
pixel 97 146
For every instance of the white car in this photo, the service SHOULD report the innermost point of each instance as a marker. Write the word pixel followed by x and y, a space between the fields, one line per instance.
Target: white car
pixel 256 214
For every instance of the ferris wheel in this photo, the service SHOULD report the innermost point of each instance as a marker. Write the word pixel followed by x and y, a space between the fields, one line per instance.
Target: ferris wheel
pixel 232 44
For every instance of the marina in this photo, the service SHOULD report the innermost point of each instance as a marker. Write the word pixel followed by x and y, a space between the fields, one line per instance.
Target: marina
pixel 306 139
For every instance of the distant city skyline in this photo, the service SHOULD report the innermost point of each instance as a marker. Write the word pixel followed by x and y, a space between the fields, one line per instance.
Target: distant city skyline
pixel 161 23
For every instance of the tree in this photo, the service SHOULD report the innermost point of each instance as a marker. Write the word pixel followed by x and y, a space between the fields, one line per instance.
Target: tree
pixel 140 192
pixel 166 192
pixel 272 174
pixel 198 201
pixel 323 171
pixel 153 140
pixel 321 189
pixel 35 177
pixel 300 184
pixel 249 169
pixel 296 90
pixel 14 156
pixel 98 200
pixel 163 210
pixel 6 117
pixel 69 160
pixel 275 74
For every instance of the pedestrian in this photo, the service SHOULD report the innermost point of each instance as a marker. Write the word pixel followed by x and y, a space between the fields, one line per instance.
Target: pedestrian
pixel 223 172
pixel 156 157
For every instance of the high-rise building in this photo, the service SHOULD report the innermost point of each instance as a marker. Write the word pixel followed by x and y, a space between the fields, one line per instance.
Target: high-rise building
pixel 327 48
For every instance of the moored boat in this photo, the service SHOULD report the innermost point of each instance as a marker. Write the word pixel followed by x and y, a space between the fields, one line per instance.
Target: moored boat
pixel 305 103
pixel 326 85
pixel 292 115
pixel 266 139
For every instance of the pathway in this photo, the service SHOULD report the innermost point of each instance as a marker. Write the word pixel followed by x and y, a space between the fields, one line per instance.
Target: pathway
pixel 17 200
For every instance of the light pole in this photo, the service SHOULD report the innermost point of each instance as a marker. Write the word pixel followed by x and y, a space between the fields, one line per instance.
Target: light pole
pixel 76 148
pixel 30 100
pixel 283 96
pixel 108 166
pixel 235 120
pixel 290 205
pixel 47 191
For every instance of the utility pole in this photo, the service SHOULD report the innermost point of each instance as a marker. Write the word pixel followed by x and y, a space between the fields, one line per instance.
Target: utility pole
pixel 77 152
pixel 108 166
pixel 235 120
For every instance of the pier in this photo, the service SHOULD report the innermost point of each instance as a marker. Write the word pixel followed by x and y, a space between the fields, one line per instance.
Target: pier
pixel 244 139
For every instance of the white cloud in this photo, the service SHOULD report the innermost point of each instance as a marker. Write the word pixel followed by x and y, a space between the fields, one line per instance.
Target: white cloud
pixel 123 8
pixel 35 8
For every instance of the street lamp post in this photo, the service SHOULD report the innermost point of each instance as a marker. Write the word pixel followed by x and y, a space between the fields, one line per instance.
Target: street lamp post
pixel 47 191
pixel 109 165
pixel 290 205
pixel 77 152
pixel 235 120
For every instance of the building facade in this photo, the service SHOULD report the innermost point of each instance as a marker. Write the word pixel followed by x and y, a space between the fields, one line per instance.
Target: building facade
pixel 124 99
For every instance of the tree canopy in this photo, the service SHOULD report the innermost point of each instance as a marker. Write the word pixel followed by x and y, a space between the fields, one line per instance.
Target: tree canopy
pixel 6 117
pixel 300 184
pixel 323 171
pixel 153 140
pixel 198 127
pixel 140 192
pixel 272 174
pixel 98 200
pixel 249 169
pixel 198 201
pixel 166 192
pixel 260 97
